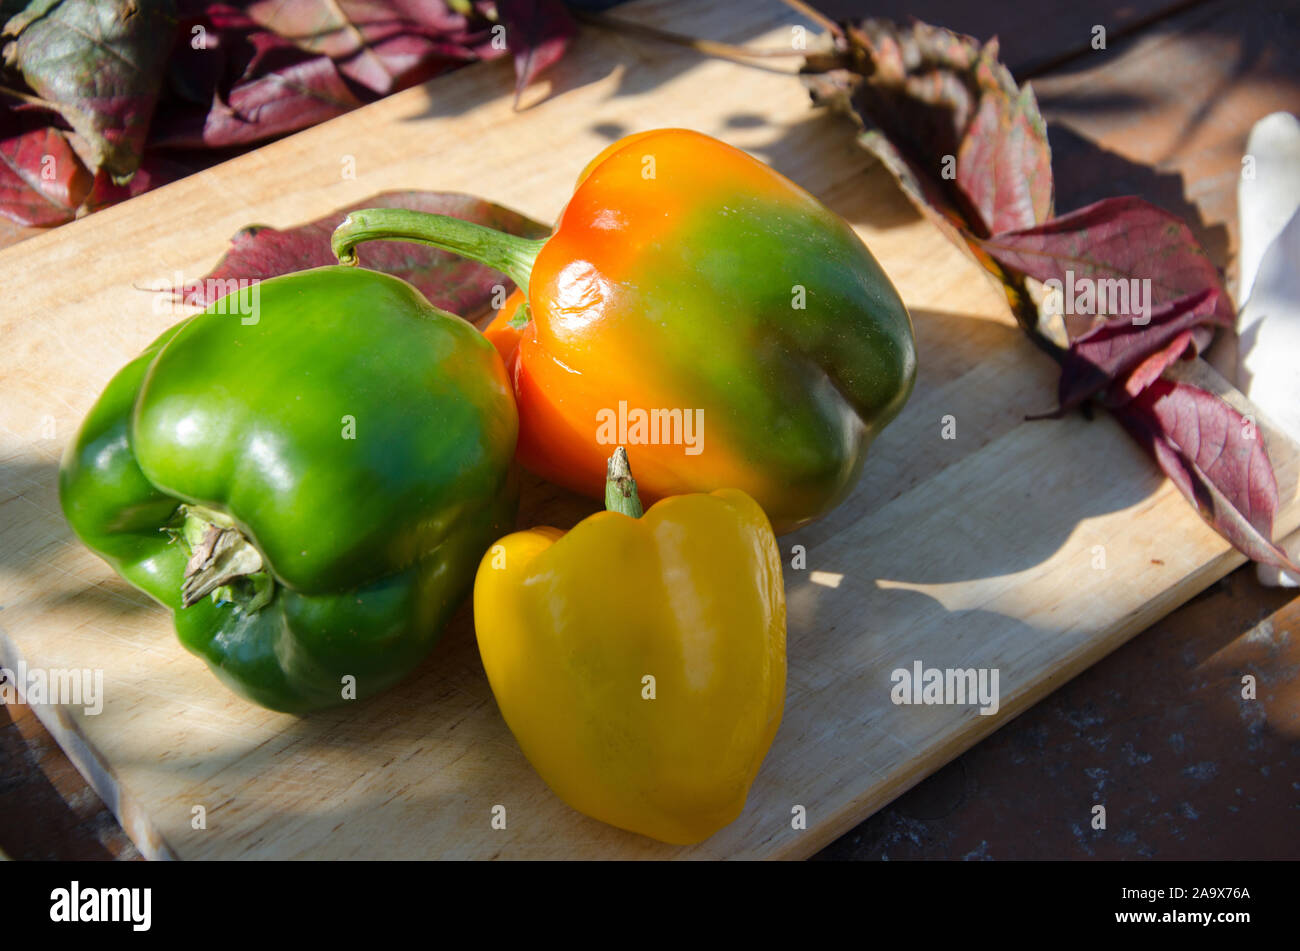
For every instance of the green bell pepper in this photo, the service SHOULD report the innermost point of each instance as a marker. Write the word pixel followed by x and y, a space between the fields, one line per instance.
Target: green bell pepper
pixel 309 489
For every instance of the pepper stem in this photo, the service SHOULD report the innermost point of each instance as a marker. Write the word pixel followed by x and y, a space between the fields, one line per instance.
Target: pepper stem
pixel 510 254
pixel 220 557
pixel 620 487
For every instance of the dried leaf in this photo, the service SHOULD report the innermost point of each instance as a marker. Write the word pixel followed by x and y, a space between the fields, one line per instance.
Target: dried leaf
pixel 1216 458
pixel 449 281
pixel 948 119
pixel 970 150
pixel 232 80
pixel 101 64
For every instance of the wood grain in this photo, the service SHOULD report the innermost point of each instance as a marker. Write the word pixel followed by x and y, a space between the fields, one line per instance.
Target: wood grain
pixel 967 552
pixel 1158 732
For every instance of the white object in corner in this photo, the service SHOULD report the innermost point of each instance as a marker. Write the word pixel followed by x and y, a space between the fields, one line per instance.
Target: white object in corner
pixel 1268 199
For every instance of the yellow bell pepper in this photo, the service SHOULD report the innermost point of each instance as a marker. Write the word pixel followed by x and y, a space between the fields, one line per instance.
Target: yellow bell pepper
pixel 640 662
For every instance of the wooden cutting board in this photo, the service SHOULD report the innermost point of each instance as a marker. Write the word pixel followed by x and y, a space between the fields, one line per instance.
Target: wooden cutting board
pixel 1030 548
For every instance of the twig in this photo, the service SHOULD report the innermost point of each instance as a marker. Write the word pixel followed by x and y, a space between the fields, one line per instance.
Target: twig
pixel 821 19
pixel 28 98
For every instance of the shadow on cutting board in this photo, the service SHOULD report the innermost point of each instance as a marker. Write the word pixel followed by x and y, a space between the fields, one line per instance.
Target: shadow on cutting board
pixel 35 516
pixel 415 772
pixel 27 488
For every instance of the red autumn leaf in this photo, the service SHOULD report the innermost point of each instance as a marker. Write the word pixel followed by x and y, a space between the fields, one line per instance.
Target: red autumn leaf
pixel 100 63
pixel 925 97
pixel 242 73
pixel 1216 458
pixel 449 281
pixel 1112 351
pixel 1116 239
pixel 537 34
pixel 236 83
pixel 1004 165
pixel 295 96
pixel 382 46
pixel 1151 368
pixel 968 145
pixel 42 181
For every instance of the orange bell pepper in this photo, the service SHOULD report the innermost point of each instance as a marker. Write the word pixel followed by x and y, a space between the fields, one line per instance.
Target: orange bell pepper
pixel 698 306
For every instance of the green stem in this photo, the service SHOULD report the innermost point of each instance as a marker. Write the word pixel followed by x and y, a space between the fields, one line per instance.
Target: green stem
pixel 511 255
pixel 620 487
